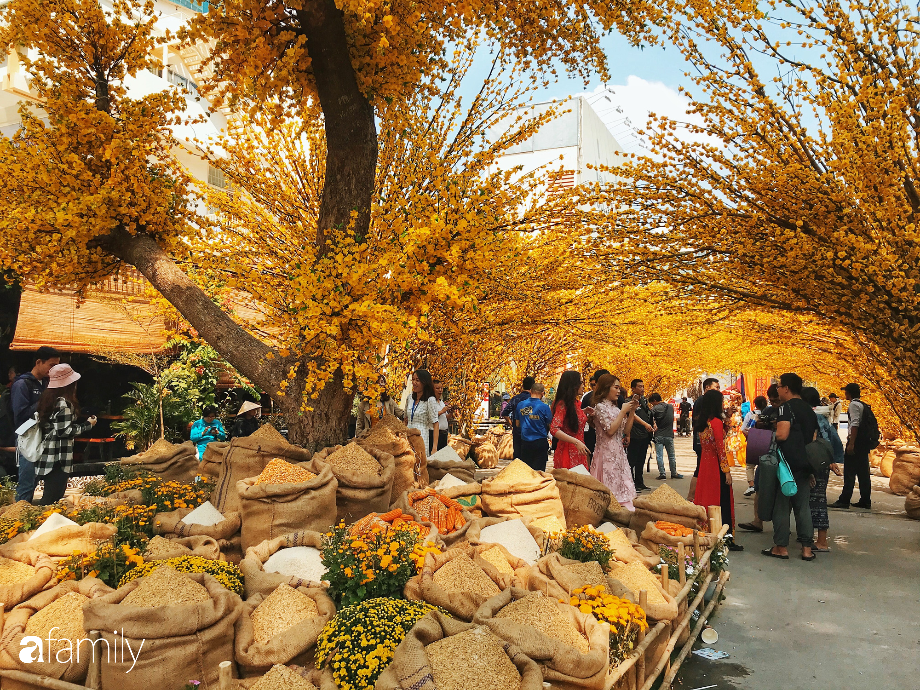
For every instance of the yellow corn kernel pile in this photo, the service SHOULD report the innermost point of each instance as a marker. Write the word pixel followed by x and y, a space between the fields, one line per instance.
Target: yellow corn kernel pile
pixel 280 471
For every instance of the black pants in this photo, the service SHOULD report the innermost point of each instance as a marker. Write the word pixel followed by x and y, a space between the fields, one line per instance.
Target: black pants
pixel 535 453
pixel 442 438
pixel 591 439
pixel 55 485
pixel 636 452
pixel 516 443
pixel 856 466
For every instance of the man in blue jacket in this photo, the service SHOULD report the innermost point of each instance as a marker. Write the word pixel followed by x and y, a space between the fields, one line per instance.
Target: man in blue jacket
pixel 25 392
pixel 533 417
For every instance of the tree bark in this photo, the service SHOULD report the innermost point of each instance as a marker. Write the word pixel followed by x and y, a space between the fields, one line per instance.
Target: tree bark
pixel 327 423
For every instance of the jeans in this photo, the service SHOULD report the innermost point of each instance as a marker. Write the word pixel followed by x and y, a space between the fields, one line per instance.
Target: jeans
pixel 856 466
pixel 534 453
pixel 25 488
pixel 55 485
pixel 798 504
pixel 662 444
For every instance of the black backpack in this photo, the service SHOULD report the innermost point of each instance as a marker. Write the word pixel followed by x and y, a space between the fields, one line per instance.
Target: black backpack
pixel 6 415
pixel 868 435
pixel 820 456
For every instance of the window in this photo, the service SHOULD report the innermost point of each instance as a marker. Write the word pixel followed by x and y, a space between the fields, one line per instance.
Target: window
pixel 216 177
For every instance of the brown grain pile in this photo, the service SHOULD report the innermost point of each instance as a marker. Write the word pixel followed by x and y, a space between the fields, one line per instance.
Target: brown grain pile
pixel 160 446
pixel 497 558
pixel 14 572
pixel 281 610
pixel 637 577
pixel 591 572
pixel 159 547
pixel 15 510
pixel 665 496
pixel 282 678
pixel 65 614
pixel 475 658
pixel 393 423
pixel 515 472
pixel 354 459
pixel 542 613
pixel 380 435
pixel 280 471
pixel 166 587
pixel 460 574
pixel 268 433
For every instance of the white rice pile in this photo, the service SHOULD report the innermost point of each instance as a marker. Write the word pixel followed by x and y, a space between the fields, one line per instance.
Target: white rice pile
pixel 448 482
pixel 607 527
pixel 446 454
pixel 514 536
pixel 304 562
pixel 205 514
pixel 54 521
pixel 580 469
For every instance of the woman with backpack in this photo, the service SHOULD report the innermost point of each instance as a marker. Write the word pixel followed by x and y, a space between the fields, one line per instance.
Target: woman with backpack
pixel 818 499
pixel 58 410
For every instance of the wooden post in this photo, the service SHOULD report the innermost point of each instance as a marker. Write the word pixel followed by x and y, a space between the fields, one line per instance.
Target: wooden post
pixel 718 513
pixel 681 568
pixel 714 524
pixel 640 662
pixel 664 577
pixel 696 544
pixel 226 675
pixel 711 511
pixel 94 671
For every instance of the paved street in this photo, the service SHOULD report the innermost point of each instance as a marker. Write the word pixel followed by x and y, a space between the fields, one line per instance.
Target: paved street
pixel 847 621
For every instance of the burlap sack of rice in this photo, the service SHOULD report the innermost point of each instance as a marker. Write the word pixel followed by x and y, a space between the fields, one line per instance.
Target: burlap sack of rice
pixel 474 533
pixel 886 464
pixel 359 493
pixel 412 670
pixel 506 447
pixel 636 577
pixel 132 497
pixel 460 445
pixel 170 461
pixel 213 458
pixel 291 678
pixel 423 478
pixel 22 579
pixel 666 500
pixel 628 551
pixel 61 611
pixel 247 457
pixel 503 567
pixel 257 581
pixel 584 499
pixel 617 514
pixel 905 470
pixel 556 576
pixel 468 495
pixel 59 542
pixel 161 548
pixel 182 640
pixel 652 538
pixel 486 456
pixel 875 457
pixel 231 550
pixel 386 440
pixel 448 461
pixel 496 434
pixel 295 639
pixel 562 662
pixel 641 517
pixel 171 524
pixel 454 580
pixel 273 510
pixel 912 503
pixel 519 491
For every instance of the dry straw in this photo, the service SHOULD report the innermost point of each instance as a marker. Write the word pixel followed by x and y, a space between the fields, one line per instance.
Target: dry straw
pixel 281 610
pixel 13 572
pixel 543 613
pixel 461 574
pixel 166 587
pixel 474 658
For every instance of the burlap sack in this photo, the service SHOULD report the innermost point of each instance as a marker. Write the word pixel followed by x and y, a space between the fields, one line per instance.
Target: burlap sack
pixel 205 547
pixel 642 517
pixel 506 447
pixel 652 537
pixel 308 673
pixel 875 457
pixel 186 641
pixel 166 460
pixel 272 510
pixel 257 581
pixel 72 666
pixel 617 514
pixel 562 664
pixel 231 550
pixel 551 576
pixel 584 499
pixel 295 645
pixel 359 495
pixel 886 464
pixel 213 458
pixel 905 471
pixel 687 510
pixel 247 457
pixel 666 611
pixel 474 533
pixel 461 604
pixel 60 542
pixel 448 461
pixel 422 476
pixel 131 497
pixel 397 444
pixel 534 498
pixel 504 580
pixel 460 444
pixel 409 669
pixel 171 524
pixel 18 592
pixel 486 456
pixel 469 496
pixel 636 552
pixel 912 503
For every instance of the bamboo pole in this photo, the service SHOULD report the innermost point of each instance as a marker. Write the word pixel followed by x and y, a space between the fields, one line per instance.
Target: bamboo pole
pixel 681 570
pixel 714 525
pixel 640 662
pixel 94 671
pixel 664 577
pixel 696 544
pixel 38 681
pixel 703 563
pixel 225 668
pixel 628 664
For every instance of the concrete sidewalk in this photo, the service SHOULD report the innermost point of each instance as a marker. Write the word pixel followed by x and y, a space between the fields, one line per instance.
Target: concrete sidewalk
pixel 848 621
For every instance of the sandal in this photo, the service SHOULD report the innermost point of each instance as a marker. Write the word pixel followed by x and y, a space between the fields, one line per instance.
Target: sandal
pixel 750 527
pixel 815 549
pixel 769 552
pixel 809 558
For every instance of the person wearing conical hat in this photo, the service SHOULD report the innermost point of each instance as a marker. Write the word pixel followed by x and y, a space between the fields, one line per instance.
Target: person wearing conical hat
pixel 247 420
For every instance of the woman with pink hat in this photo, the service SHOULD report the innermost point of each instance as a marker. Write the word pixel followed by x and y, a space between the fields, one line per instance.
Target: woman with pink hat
pixel 57 413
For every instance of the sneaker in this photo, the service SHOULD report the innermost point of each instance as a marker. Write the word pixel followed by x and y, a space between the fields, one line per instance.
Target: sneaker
pixel 749 491
pixel 677 476
pixel 863 504
pixel 840 505
pixel 662 476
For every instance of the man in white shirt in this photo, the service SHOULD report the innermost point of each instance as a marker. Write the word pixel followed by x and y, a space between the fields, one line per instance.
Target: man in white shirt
pixel 835 406
pixel 856 458
pixel 443 410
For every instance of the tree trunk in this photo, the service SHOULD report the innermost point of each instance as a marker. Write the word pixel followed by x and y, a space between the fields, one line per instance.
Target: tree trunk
pixel 327 424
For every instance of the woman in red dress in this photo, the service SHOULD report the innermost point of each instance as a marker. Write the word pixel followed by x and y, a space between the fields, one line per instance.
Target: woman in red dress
pixel 714 485
pixel 568 425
